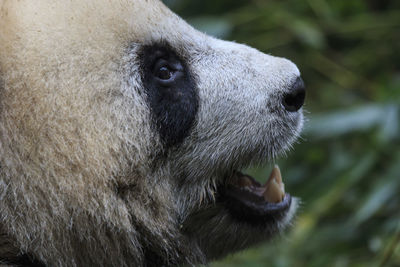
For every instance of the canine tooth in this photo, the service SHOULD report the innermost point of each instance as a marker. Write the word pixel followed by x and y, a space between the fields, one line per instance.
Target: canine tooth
pixel 276 173
pixel 275 188
pixel 273 193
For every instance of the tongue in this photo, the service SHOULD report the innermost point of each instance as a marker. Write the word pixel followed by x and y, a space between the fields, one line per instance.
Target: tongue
pixel 274 188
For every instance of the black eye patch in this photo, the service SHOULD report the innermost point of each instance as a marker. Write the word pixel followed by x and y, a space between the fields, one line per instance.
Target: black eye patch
pixel 171 92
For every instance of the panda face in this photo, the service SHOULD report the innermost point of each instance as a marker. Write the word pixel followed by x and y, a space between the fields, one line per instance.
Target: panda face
pixel 221 107
pixel 241 120
pixel 124 132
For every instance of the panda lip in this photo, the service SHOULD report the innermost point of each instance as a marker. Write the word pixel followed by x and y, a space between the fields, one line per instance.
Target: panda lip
pixel 248 200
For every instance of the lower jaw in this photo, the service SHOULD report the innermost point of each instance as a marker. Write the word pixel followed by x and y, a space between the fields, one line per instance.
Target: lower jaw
pixel 254 212
pixel 248 201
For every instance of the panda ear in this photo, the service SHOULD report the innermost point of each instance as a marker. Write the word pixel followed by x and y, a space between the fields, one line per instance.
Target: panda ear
pixel 171 92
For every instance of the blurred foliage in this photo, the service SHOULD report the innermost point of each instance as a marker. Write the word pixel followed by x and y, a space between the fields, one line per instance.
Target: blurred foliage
pixel 346 169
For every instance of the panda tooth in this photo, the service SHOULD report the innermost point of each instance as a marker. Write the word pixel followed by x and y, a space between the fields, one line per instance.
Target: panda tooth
pixel 273 192
pixel 274 187
pixel 276 173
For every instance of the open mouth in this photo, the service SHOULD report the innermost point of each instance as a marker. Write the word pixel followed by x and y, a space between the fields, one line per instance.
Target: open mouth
pixel 251 202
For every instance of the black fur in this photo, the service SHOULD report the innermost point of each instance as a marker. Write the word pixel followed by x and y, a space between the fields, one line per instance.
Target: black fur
pixel 22 261
pixel 174 103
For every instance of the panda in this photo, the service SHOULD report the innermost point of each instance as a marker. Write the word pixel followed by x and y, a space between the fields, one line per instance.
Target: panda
pixel 123 131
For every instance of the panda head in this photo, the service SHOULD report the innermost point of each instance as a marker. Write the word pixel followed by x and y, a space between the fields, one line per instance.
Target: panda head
pixel 127 130
pixel 218 107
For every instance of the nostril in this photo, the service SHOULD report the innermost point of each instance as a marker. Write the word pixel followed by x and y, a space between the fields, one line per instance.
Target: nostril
pixel 294 100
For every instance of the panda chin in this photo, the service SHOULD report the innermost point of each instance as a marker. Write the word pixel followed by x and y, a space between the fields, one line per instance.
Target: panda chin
pixel 251 202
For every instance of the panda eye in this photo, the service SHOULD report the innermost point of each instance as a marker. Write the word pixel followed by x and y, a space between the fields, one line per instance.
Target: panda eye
pixel 164 73
pixel 167 71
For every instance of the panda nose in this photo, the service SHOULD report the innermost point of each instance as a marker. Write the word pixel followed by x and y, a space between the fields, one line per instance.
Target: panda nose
pixel 294 99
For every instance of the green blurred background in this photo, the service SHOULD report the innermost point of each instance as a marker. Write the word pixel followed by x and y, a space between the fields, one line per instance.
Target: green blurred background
pixel 346 168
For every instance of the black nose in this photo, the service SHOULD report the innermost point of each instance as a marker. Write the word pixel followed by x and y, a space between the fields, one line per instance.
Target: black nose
pixel 294 99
